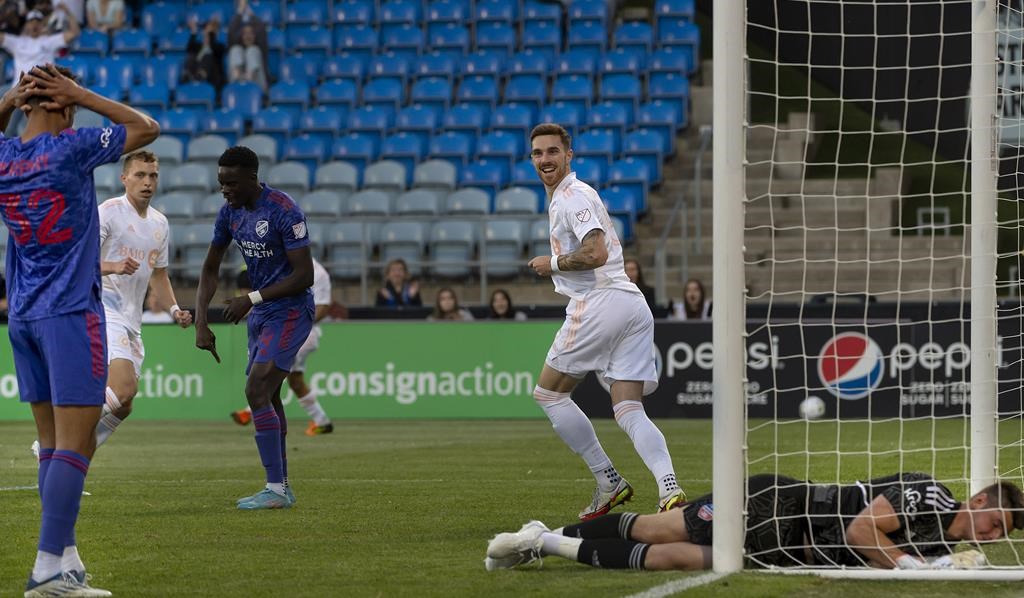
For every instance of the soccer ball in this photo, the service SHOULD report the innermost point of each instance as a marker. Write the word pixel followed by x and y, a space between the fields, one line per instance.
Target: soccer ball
pixel 812 408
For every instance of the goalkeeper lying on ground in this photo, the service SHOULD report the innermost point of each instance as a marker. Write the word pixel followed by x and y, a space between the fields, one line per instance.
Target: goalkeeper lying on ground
pixel 905 521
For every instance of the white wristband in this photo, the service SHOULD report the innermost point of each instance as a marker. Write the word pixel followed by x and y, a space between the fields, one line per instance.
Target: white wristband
pixel 255 297
pixel 174 309
pixel 554 263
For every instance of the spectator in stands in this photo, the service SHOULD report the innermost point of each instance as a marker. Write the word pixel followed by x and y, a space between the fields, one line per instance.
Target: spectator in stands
pixel 10 17
pixel 695 304
pixel 399 290
pixel 248 46
pixel 204 59
pixel 501 307
pixel 76 11
pixel 446 308
pixel 636 275
pixel 105 16
pixel 153 314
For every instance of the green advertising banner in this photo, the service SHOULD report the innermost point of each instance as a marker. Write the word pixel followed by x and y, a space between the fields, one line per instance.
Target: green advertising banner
pixel 362 370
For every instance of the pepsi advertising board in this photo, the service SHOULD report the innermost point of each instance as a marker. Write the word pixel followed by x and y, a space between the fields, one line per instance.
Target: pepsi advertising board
pixel 878 369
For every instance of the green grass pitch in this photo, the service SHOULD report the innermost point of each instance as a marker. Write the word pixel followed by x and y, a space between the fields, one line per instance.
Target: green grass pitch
pixel 399 508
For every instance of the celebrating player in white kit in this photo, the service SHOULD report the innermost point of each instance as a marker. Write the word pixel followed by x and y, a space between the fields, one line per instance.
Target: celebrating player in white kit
pixel 608 330
pixel 133 254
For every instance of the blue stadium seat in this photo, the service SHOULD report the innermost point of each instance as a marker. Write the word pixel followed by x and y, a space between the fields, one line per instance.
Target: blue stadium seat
pixel 489 175
pixel 177 206
pixel 495 11
pixel 371 120
pixel 291 96
pixel 299 68
pixel 624 90
pixel 609 116
pixel 671 87
pixel 131 42
pixel 516 119
pixel 211 9
pixel 433 91
pixel 661 116
pixel 541 13
pixel 338 92
pixel 322 205
pixel 355 12
pixel 436 65
pixel 669 60
pixel 305 12
pixel 357 40
pixel 169 150
pixel 193 178
pixel 346 66
pixel 323 122
pixel 420 120
pixel 576 61
pixel 673 11
pixel 588 11
pixel 308 149
pixel 161 70
pixel 450 39
pixel 369 202
pixel 588 35
pixel 504 248
pixel 403 240
pixel 484 63
pixel 453 146
pixel 277 47
pixel 267 149
pixel 528 62
pixel 243 96
pixel 501 147
pixel 539 240
pixel 418 202
pixel 81 66
pixel 291 177
pixel 527 89
pixel 386 175
pixel 116 71
pixel 405 148
pixel 544 38
pixel 452 244
pixel 226 122
pixel 567 114
pixel 107 180
pixel 274 122
pixel 337 176
pixel 406 41
pixel 633 174
pixel 152 97
pixel 634 34
pixel 207 149
pixel 92 43
pixel 573 89
pixel 525 175
pixel 466 117
pixel 268 11
pixel 622 202
pixel 590 170
pixel 179 122
pixel 160 17
pixel 496 36
pixel 359 149
pixel 388 66
pixel 648 146
pixel 349 246
pixel 516 200
pixel 172 44
pixel 385 93
pixel 685 36
pixel 399 13
pixel 623 61
pixel 478 90
pixel 600 145
pixel 467 202
pixel 443 12
pixel 437 175
pixel 197 94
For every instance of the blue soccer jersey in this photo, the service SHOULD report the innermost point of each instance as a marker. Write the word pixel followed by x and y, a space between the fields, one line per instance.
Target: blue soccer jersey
pixel 274 226
pixel 48 202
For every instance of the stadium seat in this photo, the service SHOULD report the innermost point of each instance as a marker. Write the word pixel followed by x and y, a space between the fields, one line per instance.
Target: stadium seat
pixel 576 61
pixel 588 35
pixel 588 11
pixel 176 206
pixel 172 44
pixel 406 41
pixel 81 66
pixel 662 117
pixel 221 10
pixel 345 66
pixel 467 202
pixel 527 89
pixel 437 175
pixel 131 42
pixel 674 11
pixel 452 244
pixel 419 120
pixel 669 60
pixel 193 241
pixel 540 237
pixel 487 174
pixel 516 119
pixel 323 122
pixel 443 12
pixel 389 66
pixel 450 39
pixel 88 118
pixel 358 40
pixel 312 42
pixel 528 62
pixel 277 47
pixel 225 122
pixel 267 148
pixel 685 36
pixel 590 170
pixel 179 122
pixel 455 147
pixel 292 96
pixel 116 71
pixel 504 240
pixel 501 147
pixel 403 240
pixel 107 181
pixel 154 97
pixel 291 177
pixel 359 149
pixel 209 206
pixel 436 65
pixel 268 11
pixel 495 36
pixel 671 87
pixel 623 61
pixel 338 92
pixel 622 202
pixel 466 117
pixel 405 148
pixel 305 12
pixel 634 34
pixel 516 200
pixel 486 63
pixel 417 202
pixel 495 11
pixel 399 13
pixel 274 122
pixel 386 175
pixel 308 149
pixel 540 13
pixel 369 202
pixel 635 175
pixel 301 67
pixel 573 89
pixel 349 246
pixel 601 145
pixel 525 175
pixel 609 116
pixel 625 90
pixel 197 94
pixel 354 12
pixel 569 115
pixel 649 146
pixel 337 176
pixel 161 70
pixel 322 205
pixel 169 150
pixel 374 121
pixel 206 150
pixel 432 91
pixel 544 38
pixel 92 43
pixel 193 178
pixel 385 93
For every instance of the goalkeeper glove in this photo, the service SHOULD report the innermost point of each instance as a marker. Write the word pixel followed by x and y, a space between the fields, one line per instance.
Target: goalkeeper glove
pixel 968 559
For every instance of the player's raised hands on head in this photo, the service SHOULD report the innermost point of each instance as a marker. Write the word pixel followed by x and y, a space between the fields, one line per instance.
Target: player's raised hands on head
pixel 49 82
pixel 236 308
pixel 206 340
pixel 17 95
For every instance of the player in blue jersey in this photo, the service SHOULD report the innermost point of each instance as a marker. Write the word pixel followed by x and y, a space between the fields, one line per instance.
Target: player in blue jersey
pixel 270 230
pixel 56 323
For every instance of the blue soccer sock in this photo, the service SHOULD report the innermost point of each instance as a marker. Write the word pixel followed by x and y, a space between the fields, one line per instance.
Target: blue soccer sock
pixel 62 496
pixel 268 441
pixel 45 458
pixel 284 446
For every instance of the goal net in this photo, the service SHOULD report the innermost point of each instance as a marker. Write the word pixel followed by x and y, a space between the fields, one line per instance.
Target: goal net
pixel 867 233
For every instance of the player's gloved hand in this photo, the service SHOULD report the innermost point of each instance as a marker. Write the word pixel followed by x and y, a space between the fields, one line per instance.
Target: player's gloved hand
pixel 206 340
pixel 236 308
pixel 908 562
pixel 968 559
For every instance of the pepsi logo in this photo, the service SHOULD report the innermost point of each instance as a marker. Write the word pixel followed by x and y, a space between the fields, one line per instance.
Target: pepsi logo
pixel 850 365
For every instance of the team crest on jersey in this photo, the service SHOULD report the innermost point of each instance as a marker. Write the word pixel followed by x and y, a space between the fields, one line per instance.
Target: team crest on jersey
pixel 299 230
pixel 583 215
pixel 706 512
pixel 262 227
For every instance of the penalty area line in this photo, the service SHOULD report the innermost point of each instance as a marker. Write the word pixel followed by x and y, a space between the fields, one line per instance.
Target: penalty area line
pixel 18 488
pixel 678 585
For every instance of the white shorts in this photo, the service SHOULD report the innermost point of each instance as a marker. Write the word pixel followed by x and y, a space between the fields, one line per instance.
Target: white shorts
pixel 312 344
pixel 609 332
pixel 124 343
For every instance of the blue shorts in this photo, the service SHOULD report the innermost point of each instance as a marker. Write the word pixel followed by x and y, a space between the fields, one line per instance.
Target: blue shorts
pixel 61 360
pixel 278 335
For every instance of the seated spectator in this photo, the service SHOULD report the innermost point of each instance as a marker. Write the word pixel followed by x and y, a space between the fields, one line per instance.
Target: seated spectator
pixel 695 304
pixel 246 34
pixel 398 290
pixel 446 308
pixel 204 59
pixel 76 11
pixel 105 16
pixel 154 315
pixel 501 307
pixel 636 275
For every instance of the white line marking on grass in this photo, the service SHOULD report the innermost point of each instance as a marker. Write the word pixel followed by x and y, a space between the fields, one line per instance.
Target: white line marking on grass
pixel 18 488
pixel 678 585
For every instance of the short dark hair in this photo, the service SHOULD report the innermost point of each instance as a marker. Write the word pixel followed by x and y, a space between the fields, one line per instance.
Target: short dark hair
pixel 1008 497
pixel 552 129
pixel 241 157
pixel 142 156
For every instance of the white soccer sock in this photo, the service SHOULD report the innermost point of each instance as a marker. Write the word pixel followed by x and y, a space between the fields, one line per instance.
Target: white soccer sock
pixel 47 565
pixel 313 409
pixel 111 403
pixel 648 441
pixel 71 561
pixel 558 545
pixel 276 488
pixel 105 427
pixel 576 431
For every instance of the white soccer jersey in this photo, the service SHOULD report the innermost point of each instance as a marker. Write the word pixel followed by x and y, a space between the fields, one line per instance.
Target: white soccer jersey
pixel 575 210
pixel 321 284
pixel 123 233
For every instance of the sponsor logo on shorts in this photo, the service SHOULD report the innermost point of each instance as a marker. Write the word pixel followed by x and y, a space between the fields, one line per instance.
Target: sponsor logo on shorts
pixel 583 215
pixel 299 230
pixel 706 512
pixel 262 227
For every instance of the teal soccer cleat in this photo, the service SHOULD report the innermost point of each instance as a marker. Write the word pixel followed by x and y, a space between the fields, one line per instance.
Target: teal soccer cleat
pixel 266 499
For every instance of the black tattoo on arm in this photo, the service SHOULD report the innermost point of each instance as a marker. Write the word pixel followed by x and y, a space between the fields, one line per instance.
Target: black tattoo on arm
pixel 591 254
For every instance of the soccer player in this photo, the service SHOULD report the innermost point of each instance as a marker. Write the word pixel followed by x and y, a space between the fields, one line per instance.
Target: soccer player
pixel 56 321
pixel 319 422
pixel 134 248
pixel 608 329
pixel 906 521
pixel 270 230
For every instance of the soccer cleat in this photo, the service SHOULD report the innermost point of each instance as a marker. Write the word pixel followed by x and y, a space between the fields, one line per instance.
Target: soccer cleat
pixel 35 449
pixel 289 495
pixel 315 430
pixel 67 583
pixel 265 499
pixel 242 417
pixel 511 549
pixel 606 501
pixel 673 501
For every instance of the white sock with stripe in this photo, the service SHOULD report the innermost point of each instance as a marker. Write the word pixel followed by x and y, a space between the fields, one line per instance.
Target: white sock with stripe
pixel 559 545
pixel 71 561
pixel 313 409
pixel 108 421
pixel 572 425
pixel 649 443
